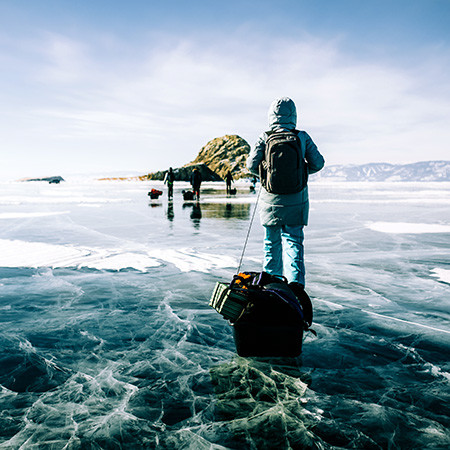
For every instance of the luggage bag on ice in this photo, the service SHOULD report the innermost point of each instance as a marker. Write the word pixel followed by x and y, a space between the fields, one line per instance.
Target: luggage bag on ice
pixel 188 195
pixel 268 315
pixel 154 194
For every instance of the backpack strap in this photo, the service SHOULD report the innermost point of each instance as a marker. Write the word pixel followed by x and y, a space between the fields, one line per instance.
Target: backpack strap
pixel 300 155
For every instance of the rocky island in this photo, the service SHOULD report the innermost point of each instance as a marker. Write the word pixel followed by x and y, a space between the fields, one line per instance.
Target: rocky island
pixel 225 153
pixel 51 180
pixel 215 159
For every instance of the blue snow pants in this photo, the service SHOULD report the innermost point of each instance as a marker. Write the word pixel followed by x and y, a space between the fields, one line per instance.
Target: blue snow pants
pixel 283 252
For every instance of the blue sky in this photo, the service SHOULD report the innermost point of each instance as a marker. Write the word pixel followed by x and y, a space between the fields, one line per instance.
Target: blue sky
pixel 103 86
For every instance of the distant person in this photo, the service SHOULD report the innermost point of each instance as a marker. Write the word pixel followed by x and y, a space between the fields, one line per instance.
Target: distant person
pixel 196 181
pixel 169 179
pixel 228 180
pixel 284 203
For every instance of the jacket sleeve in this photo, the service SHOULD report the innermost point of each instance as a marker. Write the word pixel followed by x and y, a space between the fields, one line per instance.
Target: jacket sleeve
pixel 256 155
pixel 313 158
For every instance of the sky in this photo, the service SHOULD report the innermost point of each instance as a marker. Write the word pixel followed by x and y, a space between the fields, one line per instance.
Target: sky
pixel 139 85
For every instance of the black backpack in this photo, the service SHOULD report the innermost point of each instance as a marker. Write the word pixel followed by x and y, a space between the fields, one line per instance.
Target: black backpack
pixel 283 169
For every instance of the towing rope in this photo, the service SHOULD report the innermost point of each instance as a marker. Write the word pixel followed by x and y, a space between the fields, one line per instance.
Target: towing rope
pixel 249 228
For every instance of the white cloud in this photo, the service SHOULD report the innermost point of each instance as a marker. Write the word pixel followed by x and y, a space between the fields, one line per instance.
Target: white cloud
pixel 65 60
pixel 155 105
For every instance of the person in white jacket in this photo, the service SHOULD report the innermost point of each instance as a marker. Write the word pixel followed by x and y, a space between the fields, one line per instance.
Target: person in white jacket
pixel 284 215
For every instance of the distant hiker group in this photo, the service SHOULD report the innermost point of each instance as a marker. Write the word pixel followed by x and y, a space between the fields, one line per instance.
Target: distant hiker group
pixel 195 181
pixel 169 179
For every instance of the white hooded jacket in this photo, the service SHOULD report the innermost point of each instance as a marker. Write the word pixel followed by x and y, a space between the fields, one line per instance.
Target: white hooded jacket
pixel 285 209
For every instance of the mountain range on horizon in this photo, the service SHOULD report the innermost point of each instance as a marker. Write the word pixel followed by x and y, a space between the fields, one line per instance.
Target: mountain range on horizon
pixel 418 171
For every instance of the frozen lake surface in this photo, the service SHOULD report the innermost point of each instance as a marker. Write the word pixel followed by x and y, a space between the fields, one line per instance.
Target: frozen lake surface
pixel 107 340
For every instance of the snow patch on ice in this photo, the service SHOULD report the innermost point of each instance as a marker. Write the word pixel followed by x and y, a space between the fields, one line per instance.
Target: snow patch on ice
pixel 16 253
pixel 384 201
pixel 84 200
pixel 190 259
pixel 408 228
pixel 124 261
pixel 442 274
pixel 25 215
pixel 230 200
